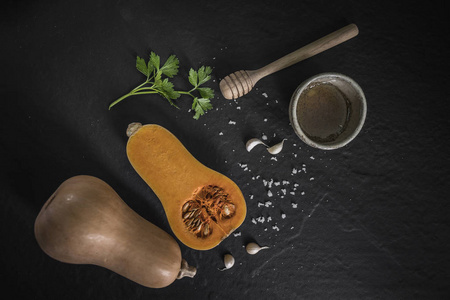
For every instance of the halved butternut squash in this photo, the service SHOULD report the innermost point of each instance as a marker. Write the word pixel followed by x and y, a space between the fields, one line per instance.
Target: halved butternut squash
pixel 202 206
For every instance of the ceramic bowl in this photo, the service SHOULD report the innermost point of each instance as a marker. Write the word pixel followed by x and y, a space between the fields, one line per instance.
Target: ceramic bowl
pixel 327 111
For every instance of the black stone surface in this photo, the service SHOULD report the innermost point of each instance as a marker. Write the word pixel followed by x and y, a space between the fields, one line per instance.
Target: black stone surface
pixel 373 220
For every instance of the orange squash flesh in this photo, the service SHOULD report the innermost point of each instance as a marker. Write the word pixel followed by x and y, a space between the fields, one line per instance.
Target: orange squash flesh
pixel 177 178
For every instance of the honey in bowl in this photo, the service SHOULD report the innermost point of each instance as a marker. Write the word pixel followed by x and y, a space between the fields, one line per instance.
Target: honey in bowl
pixel 323 112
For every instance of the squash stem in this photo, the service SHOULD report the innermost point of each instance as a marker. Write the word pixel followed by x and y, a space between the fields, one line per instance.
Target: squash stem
pixel 186 270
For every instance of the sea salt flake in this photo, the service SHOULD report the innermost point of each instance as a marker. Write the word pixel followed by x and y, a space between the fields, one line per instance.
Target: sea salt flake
pixel 221 133
pixel 254 221
pixel 273 158
pixel 283 216
pixel 277 183
pixel 294 171
pixel 232 122
pixel 275 227
pixel 265 95
pixel 294 205
pixel 267 203
pixel 311 179
pixel 269 218
pixel 312 157
pixel 283 191
pixel 285 182
pixel 260 204
pixel 264 137
pixel 237 234
pixel 269 193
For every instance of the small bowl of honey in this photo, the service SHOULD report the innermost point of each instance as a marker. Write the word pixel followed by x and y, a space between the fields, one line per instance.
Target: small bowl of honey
pixel 327 111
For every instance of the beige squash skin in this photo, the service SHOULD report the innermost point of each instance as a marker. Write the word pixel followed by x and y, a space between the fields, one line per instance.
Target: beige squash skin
pixel 86 222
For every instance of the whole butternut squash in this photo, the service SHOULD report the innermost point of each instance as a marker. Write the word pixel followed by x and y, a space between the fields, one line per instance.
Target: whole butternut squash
pixel 86 222
pixel 203 206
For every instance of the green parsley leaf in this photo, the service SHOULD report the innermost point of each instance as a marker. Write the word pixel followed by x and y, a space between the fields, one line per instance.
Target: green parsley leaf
pixel 170 67
pixel 206 92
pixel 203 74
pixel 200 106
pixel 197 78
pixel 141 65
pixel 155 60
pixel 167 90
pixel 193 77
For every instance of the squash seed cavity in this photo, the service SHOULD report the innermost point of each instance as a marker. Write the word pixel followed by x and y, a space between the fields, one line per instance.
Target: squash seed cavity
pixel 209 204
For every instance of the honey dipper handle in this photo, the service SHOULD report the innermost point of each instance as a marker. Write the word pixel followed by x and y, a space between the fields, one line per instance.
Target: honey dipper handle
pixel 318 46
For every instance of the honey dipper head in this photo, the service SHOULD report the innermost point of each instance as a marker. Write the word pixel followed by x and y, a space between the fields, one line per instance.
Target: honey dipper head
pixel 236 85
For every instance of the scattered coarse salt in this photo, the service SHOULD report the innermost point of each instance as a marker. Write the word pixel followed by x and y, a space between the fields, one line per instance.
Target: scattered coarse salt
pixel 267 203
pixel 283 216
pixel 232 122
pixel 294 171
pixel 260 204
pixel 265 182
pixel 283 191
pixel 277 183
pixel 302 193
pixel 274 158
pixel 253 221
pixel 221 133
pixel 264 137
pixel 294 205
pixel 275 227
pixel 285 182
pixel 269 193
pixel 251 197
pixel 269 218
pixel 292 193
pixel 238 107
pixel 265 120
pixel 261 219
pixel 237 234
pixel 312 157
pixel 264 94
pixel 311 179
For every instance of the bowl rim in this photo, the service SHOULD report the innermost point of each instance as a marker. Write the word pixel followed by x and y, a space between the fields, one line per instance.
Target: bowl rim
pixel 293 111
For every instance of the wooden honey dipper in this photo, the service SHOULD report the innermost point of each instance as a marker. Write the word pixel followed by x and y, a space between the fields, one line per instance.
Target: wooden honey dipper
pixel 241 82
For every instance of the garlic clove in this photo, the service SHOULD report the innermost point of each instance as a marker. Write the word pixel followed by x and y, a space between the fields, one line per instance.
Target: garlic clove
pixel 253 248
pixel 251 143
pixel 228 261
pixel 275 149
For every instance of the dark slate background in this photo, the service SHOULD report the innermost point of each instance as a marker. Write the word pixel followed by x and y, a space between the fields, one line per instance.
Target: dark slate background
pixel 373 220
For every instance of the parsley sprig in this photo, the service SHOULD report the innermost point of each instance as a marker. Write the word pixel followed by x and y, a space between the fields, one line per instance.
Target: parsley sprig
pixel 157 82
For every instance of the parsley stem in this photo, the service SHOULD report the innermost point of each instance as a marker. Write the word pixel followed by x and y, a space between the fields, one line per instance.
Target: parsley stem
pixel 140 85
pixel 186 93
pixel 120 99
pixel 132 93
